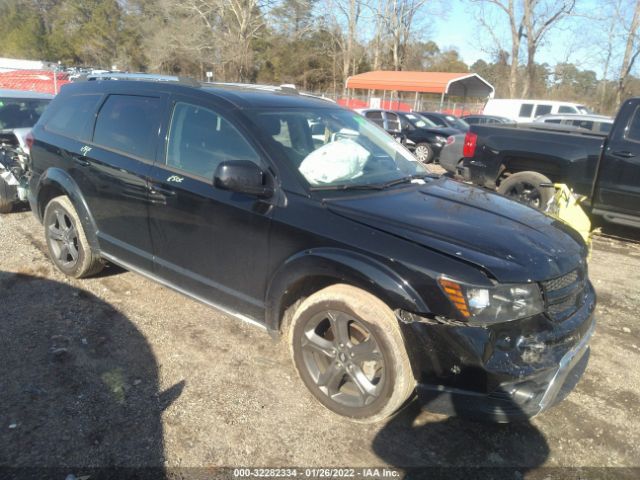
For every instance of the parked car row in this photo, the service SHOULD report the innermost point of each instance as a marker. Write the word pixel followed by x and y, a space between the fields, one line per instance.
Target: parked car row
pixel 303 218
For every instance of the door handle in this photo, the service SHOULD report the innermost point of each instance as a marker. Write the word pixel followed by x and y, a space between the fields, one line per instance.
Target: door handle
pixel 159 189
pixel 82 161
pixel 623 154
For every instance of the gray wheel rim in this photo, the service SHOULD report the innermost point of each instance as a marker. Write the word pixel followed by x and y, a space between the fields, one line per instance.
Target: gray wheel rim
pixel 63 238
pixel 526 193
pixel 343 358
pixel 422 153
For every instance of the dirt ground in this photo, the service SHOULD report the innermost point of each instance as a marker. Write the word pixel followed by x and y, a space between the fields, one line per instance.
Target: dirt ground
pixel 118 370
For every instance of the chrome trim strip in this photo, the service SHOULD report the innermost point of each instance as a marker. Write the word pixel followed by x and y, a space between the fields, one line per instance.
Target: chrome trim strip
pixel 568 361
pixel 172 286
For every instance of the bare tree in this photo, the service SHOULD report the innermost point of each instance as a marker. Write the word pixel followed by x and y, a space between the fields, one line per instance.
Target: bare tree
pixel 345 16
pixel 514 17
pixel 399 16
pixel 218 32
pixel 539 16
pixel 631 52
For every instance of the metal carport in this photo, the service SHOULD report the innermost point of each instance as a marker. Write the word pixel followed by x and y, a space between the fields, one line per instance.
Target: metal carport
pixel 443 83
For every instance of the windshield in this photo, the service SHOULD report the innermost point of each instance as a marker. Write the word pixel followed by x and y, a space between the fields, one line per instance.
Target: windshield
pixel 419 121
pixel 458 122
pixel 20 112
pixel 337 148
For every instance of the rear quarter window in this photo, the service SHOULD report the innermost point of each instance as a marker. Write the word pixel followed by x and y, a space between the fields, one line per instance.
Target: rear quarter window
pixel 566 109
pixel 73 116
pixel 129 124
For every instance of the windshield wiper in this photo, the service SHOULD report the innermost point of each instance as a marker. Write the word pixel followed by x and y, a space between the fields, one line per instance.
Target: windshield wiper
pixel 372 186
pixel 347 187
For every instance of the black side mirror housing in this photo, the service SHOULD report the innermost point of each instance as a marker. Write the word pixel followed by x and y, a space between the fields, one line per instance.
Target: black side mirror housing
pixel 242 176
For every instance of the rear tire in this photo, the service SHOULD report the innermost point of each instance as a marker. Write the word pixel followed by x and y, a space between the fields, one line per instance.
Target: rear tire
pixel 8 194
pixel 347 347
pixel 524 187
pixel 67 242
pixel 424 153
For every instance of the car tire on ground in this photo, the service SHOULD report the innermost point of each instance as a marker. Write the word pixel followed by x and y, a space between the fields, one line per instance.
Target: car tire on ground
pixel 424 152
pixel 7 196
pixel 525 188
pixel 67 242
pixel 347 347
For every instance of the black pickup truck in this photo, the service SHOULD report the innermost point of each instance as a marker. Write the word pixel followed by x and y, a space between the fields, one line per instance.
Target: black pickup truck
pixel 518 162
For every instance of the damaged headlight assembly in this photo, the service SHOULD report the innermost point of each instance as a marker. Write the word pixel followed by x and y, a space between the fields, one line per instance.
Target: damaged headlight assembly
pixel 496 304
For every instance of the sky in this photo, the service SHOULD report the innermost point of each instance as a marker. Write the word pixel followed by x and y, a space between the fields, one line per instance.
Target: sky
pixel 460 30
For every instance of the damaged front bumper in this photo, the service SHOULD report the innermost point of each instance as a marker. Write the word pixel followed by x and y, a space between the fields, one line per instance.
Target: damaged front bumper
pixel 501 373
pixel 14 173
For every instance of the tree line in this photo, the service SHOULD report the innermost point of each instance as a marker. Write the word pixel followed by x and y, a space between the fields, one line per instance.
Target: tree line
pixel 318 44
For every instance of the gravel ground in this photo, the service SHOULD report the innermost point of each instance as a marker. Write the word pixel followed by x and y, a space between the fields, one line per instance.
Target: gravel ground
pixel 118 370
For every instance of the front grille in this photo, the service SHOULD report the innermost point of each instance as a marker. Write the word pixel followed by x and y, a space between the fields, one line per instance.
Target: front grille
pixel 561 282
pixel 564 295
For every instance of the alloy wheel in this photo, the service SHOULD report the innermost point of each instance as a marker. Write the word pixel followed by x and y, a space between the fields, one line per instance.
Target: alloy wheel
pixel 526 193
pixel 422 153
pixel 63 238
pixel 343 358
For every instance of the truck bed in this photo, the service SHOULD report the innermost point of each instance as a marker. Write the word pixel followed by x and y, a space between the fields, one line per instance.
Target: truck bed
pixel 562 154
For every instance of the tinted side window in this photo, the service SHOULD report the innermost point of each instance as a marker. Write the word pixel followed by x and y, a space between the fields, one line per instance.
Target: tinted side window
pixel 583 124
pixel 376 117
pixel 542 110
pixel 553 120
pixel 565 109
pixel 199 139
pixel 437 120
pixel 605 127
pixel 393 122
pixel 130 124
pixel 633 130
pixel 525 110
pixel 72 116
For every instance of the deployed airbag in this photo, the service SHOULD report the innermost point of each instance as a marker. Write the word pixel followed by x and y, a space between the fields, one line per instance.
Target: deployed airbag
pixel 341 160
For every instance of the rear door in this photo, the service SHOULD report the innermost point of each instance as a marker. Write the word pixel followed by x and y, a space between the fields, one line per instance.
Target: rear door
pixel 210 242
pixel 618 186
pixel 112 171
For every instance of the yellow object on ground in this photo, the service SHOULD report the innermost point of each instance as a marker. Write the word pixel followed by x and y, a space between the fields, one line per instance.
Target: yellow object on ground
pixel 566 206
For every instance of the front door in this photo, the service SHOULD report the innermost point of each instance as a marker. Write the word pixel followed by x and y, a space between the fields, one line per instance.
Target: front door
pixel 210 242
pixel 618 187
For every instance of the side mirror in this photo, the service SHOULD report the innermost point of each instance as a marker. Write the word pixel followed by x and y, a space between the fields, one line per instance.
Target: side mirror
pixel 242 176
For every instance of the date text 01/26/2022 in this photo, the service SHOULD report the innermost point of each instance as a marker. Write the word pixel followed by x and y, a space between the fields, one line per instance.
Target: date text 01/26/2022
pixel 316 472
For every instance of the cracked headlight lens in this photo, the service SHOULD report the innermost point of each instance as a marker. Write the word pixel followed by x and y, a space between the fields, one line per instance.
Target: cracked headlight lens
pixel 497 304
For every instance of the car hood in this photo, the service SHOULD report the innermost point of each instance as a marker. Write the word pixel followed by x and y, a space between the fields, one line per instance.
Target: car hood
pixel 512 242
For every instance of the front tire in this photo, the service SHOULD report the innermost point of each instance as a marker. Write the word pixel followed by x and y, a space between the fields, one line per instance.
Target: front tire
pixel 67 242
pixel 348 350
pixel 7 196
pixel 524 187
pixel 424 153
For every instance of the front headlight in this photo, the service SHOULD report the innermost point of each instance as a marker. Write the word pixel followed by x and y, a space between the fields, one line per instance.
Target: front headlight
pixel 440 139
pixel 488 305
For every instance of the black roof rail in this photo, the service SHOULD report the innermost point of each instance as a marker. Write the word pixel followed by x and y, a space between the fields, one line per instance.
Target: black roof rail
pixel 146 77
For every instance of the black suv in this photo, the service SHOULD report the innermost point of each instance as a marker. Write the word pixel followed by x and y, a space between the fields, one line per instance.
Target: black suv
pixel 304 218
